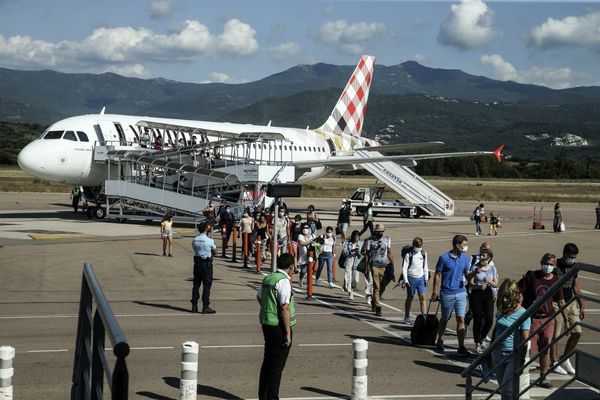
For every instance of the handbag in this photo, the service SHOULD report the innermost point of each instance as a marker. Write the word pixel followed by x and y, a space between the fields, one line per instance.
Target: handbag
pixel 318 224
pixel 362 265
pixel 338 231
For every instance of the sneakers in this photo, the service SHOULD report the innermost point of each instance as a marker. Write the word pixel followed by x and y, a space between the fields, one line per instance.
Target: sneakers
pixel 351 296
pixel 568 367
pixel 378 311
pixel 544 384
pixel 439 346
pixel 208 310
pixel 462 351
pixel 407 320
pixel 317 282
pixel 479 348
pixel 331 284
pixel 300 284
pixel 558 369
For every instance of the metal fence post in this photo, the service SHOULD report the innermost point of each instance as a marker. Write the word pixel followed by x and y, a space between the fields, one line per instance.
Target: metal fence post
pixel 359 370
pixel 189 371
pixel 7 371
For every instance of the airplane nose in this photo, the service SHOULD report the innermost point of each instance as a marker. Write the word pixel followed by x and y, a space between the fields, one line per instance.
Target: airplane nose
pixel 29 159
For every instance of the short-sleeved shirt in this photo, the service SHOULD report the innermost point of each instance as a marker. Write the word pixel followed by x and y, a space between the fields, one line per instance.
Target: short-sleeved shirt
pixel 453 269
pixel 539 287
pixel 166 225
pixel 303 249
pixel 378 251
pixel 203 246
pixel 328 243
pixel 491 274
pixel 504 321
pixel 283 290
pixel 561 268
pixel 344 215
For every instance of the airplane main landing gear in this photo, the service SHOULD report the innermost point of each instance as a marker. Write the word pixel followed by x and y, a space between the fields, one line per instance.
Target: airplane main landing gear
pixel 97 212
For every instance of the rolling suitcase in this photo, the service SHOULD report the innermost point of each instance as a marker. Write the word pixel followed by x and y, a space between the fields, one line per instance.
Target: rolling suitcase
pixel 424 331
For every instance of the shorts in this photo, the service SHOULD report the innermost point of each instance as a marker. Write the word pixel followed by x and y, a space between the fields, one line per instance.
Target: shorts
pixel 167 233
pixel 456 302
pixel 417 285
pixel 543 337
pixel 343 226
pixel 572 312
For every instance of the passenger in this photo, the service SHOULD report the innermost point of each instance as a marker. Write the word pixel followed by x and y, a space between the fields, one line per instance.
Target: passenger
pixel 295 231
pixel 575 310
pixel 556 224
pixel 378 250
pixel 597 226
pixel 483 278
pixel 478 215
pixel 367 220
pixel 283 229
pixel 533 285
pixel 204 250
pixel 509 310
pixel 166 233
pixel 351 251
pixel 277 317
pixel 211 217
pixel 158 145
pixel 261 235
pixel 493 224
pixel 326 256
pixel 313 219
pixel 181 184
pixel 247 228
pixel 344 220
pixel 415 273
pixel 226 223
pixel 304 240
pixel 145 139
pixel 449 288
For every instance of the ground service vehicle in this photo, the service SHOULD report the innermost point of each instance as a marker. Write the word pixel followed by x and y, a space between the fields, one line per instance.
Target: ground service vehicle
pixel 362 196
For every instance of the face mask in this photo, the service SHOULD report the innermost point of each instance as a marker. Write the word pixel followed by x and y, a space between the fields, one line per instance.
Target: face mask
pixel 465 249
pixel 547 268
pixel 418 249
pixel 305 231
pixel 328 234
pixel 569 261
pixel 483 263
pixel 281 214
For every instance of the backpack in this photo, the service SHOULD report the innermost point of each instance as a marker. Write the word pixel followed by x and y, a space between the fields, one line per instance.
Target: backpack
pixel 408 250
pixel 525 284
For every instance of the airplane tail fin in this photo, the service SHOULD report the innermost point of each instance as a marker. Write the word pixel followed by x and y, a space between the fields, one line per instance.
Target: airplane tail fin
pixel 349 112
pixel 498 153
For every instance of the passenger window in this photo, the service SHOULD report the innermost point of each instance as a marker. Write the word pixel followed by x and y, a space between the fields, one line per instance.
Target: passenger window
pixel 295 148
pixel 53 135
pixel 305 148
pixel 82 136
pixel 70 135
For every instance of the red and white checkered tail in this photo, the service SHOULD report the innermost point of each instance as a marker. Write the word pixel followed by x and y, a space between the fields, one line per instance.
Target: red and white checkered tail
pixel 349 112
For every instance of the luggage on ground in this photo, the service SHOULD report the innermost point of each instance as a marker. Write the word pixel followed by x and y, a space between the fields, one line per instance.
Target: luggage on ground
pixel 424 331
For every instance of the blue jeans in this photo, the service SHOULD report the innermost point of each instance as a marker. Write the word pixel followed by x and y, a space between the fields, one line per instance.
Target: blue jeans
pixel 456 302
pixel 477 224
pixel 282 241
pixel 417 285
pixel 325 257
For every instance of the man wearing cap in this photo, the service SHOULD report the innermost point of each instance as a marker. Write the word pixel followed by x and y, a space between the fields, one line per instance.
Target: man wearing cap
pixel 277 316
pixel 378 250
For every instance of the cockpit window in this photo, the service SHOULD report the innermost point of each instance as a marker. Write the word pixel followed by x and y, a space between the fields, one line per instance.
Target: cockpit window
pixel 53 135
pixel 70 135
pixel 82 136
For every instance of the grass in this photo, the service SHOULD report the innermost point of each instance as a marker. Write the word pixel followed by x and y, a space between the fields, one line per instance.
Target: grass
pixel 13 179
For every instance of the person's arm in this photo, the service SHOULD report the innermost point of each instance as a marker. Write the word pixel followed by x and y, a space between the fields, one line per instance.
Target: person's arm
pixel 389 252
pixel 425 267
pixel 405 270
pixel 213 249
pixel 437 282
pixel 577 291
pixel 285 315
pixel 494 281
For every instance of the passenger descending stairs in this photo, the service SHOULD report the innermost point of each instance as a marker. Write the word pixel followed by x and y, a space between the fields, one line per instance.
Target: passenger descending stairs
pixel 408 184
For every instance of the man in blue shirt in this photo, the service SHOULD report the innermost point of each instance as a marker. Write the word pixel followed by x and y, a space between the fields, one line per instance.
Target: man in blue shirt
pixel 449 288
pixel 204 250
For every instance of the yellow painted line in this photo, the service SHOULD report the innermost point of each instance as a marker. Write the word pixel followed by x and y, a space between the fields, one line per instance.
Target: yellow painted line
pixel 185 231
pixel 53 236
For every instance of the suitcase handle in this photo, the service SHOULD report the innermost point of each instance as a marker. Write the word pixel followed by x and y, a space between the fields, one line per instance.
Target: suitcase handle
pixel 437 309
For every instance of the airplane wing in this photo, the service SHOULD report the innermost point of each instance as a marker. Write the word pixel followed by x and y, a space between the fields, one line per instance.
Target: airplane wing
pixel 386 148
pixel 362 156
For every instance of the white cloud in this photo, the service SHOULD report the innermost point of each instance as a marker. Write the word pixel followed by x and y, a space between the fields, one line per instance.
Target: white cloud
pixel 584 30
pixel 160 8
pixel 420 58
pixel 556 78
pixel 350 38
pixel 131 70
pixel 127 46
pixel 468 26
pixel 285 50
pixel 220 77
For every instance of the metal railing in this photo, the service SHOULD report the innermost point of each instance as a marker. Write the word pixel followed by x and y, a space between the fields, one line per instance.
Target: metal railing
pixel 519 345
pixel 90 365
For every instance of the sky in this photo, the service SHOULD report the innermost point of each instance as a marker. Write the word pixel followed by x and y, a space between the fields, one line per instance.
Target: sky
pixel 555 44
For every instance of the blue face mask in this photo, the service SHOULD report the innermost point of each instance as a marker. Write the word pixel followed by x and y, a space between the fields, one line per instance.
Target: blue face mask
pixel 547 268
pixel 569 261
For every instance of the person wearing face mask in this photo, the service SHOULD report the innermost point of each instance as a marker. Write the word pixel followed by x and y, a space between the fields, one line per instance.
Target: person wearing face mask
pixel 415 273
pixel 378 250
pixel 304 240
pixel 351 251
pixel 483 277
pixel 449 288
pixel 533 285
pixel 283 228
pixel 574 310
pixel 326 256
pixel 226 222
pixel 295 231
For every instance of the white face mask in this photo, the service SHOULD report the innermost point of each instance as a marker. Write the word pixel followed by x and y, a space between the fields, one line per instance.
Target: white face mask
pixel 547 268
pixel 305 231
pixel 281 214
pixel 328 234
pixel 465 249
pixel 418 249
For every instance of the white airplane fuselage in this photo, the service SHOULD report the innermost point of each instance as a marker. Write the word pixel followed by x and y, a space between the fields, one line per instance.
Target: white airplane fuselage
pixel 68 158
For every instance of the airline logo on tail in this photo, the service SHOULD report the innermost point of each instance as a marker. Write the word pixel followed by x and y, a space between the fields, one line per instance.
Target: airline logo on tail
pixel 349 112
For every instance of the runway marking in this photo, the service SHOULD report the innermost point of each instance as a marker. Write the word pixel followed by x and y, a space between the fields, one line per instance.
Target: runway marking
pixel 324 344
pixel 52 236
pixel 43 351
pixel 179 314
pixel 511 234
pixel 391 396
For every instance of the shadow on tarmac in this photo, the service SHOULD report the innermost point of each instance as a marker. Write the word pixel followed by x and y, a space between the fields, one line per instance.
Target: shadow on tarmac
pixel 203 389
pixel 382 340
pixel 155 396
pixel 324 392
pixel 443 367
pixel 166 306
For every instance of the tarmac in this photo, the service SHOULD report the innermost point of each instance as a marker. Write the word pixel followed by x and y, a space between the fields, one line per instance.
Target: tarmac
pixel 43 246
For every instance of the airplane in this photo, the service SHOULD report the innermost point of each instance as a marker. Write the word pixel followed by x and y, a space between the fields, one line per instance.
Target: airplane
pixel 65 151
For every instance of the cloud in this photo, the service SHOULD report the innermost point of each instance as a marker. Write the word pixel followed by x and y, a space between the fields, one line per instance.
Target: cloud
pixel 132 70
pixel 285 50
pixel 220 77
pixel 160 8
pixel 420 58
pixel 569 31
pixel 556 78
pixel 350 38
pixel 468 26
pixel 127 46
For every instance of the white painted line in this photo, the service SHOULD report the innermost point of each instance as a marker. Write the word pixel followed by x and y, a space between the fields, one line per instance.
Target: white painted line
pixel 392 396
pixel 233 346
pixel 324 344
pixel 179 314
pixel 588 343
pixel 44 351
pixel 152 348
pixel 588 292
pixel 582 276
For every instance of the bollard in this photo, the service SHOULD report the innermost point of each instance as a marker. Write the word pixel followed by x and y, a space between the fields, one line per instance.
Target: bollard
pixel 245 246
pixel 7 354
pixel 224 240
pixel 234 245
pixel 189 371
pixel 258 254
pixel 359 369
pixel 309 274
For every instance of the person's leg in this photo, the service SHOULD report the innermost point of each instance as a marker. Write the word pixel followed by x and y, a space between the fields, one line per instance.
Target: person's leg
pixel 207 283
pixel 408 304
pixel 170 242
pixel 270 353
pixel 422 290
pixel 475 301
pixel 377 280
pixel 348 274
pixel 196 286
pixel 546 338
pixel 575 336
pixel 371 228
pixel 447 305
pixel 279 360
pixel 558 328
pixel 164 239
pixel 488 313
pixel 329 260
pixel 460 309
pixel 320 267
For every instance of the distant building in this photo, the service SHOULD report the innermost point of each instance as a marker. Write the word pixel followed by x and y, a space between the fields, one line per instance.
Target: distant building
pixel 570 140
